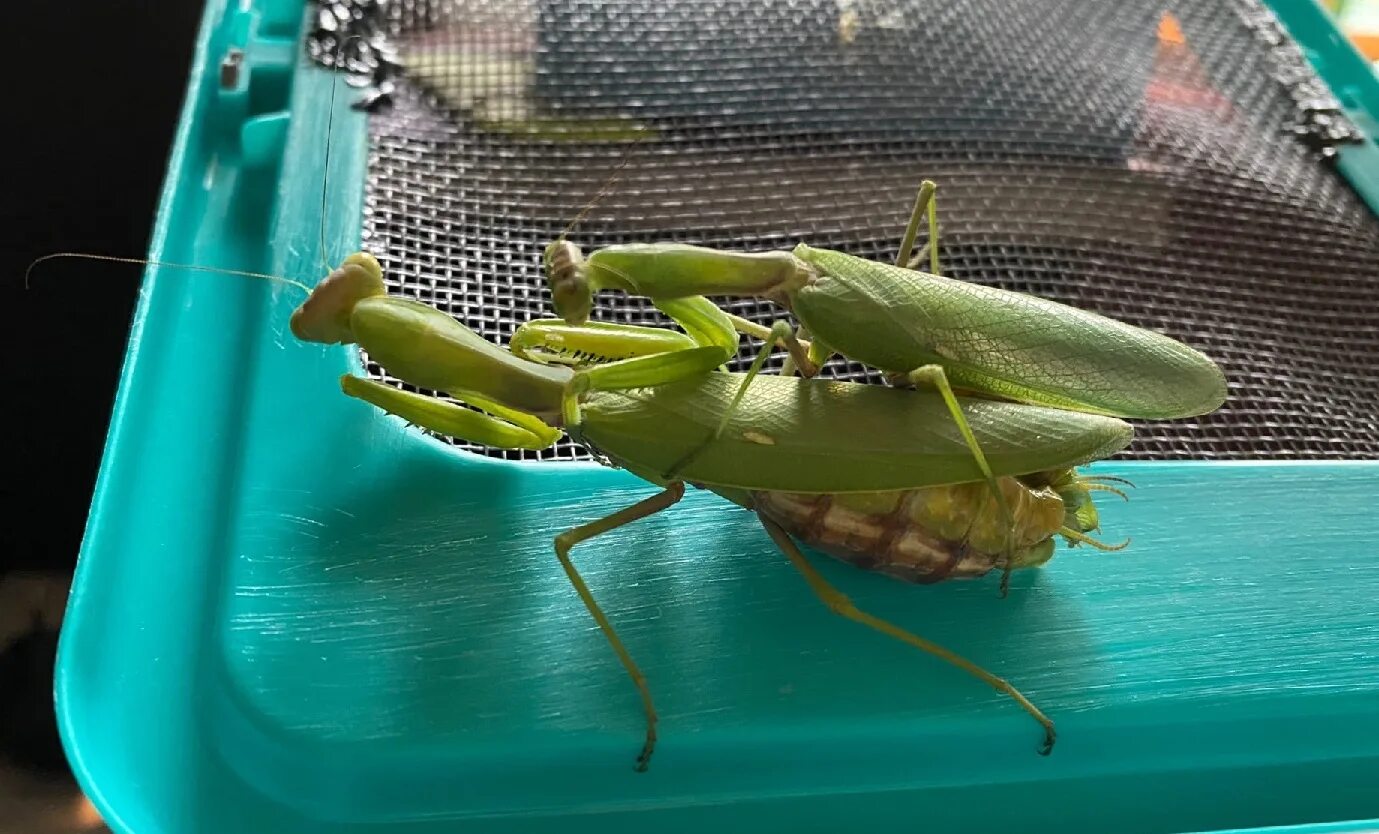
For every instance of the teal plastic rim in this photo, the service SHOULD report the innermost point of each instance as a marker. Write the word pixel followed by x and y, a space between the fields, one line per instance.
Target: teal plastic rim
pixel 1352 80
pixel 294 614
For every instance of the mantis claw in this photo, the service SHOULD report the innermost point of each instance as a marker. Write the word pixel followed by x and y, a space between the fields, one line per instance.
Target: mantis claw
pixel 644 758
pixel 1075 538
pixel 569 402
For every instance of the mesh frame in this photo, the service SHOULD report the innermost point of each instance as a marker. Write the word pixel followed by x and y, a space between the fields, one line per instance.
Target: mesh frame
pixel 1170 172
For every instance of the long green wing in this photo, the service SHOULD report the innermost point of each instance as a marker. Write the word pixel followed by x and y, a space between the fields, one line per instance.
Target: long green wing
pixel 800 435
pixel 1013 345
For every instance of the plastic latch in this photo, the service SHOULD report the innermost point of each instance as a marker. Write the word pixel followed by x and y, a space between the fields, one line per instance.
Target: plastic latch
pixel 254 77
pixel 1352 101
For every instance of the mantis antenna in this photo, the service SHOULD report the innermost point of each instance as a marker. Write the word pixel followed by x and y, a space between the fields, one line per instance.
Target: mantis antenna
pixel 330 125
pixel 148 262
pixel 330 118
pixel 603 189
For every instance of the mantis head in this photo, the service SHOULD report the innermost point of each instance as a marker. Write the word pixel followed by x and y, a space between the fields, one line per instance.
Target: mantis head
pixel 325 315
pixel 570 292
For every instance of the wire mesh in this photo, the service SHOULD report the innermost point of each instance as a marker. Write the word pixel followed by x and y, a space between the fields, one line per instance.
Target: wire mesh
pixel 1165 163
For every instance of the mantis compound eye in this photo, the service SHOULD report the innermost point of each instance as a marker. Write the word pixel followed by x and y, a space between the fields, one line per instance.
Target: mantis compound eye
pixel 325 315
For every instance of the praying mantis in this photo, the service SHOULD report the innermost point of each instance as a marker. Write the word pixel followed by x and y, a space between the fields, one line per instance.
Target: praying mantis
pixel 920 329
pixel 878 476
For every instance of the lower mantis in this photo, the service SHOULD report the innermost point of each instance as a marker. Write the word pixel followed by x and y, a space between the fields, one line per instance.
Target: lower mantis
pixel 878 476
pixel 919 328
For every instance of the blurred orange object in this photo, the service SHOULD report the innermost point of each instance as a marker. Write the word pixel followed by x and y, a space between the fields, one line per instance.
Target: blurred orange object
pixel 1178 79
pixel 1359 20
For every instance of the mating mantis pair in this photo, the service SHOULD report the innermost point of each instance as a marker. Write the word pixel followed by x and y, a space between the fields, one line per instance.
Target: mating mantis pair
pixel 919 328
pixel 923 484
pixel 972 471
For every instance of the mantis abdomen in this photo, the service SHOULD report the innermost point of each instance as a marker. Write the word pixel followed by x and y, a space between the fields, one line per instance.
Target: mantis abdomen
pixel 922 535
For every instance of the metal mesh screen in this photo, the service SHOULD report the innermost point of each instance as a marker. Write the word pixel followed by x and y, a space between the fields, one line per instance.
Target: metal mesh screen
pixel 1165 163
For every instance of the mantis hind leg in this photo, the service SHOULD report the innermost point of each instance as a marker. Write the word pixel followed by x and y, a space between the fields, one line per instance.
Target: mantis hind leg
pixel 935 375
pixel 567 540
pixel 839 604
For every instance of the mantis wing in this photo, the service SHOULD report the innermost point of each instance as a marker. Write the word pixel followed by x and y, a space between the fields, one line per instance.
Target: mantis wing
pixel 1012 345
pixel 800 435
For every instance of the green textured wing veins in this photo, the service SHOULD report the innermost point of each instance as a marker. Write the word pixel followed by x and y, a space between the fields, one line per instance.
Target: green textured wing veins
pixel 800 435
pixel 1013 345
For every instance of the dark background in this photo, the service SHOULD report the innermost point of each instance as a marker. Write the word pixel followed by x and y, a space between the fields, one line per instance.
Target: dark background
pixel 91 106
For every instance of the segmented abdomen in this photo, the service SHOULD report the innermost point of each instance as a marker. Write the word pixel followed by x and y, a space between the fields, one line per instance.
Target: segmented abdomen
pixel 922 535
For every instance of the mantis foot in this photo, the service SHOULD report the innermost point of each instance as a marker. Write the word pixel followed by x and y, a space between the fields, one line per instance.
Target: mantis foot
pixel 1047 747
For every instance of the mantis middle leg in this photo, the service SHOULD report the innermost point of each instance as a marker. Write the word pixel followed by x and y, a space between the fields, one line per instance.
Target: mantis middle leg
pixel 512 430
pixel 934 375
pixel 567 540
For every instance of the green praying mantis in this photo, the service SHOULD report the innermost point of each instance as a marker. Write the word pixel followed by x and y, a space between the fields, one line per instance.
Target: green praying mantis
pixel 879 476
pixel 920 329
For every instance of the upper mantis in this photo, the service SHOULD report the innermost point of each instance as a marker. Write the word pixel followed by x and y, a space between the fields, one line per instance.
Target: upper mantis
pixel 916 326
pixel 919 328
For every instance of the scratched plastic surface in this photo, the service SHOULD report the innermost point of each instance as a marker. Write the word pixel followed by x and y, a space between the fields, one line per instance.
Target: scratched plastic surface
pixel 293 614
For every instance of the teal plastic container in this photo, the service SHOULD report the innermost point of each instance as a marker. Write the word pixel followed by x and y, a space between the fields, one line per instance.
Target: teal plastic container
pixel 295 614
